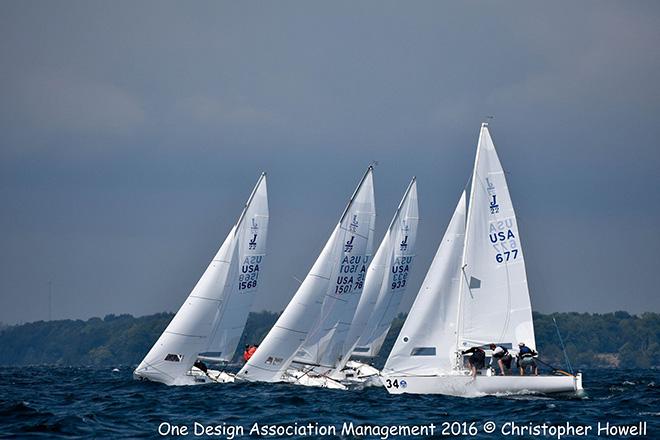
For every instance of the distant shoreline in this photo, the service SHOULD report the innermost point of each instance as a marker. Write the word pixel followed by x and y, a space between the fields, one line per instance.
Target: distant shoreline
pixel 609 340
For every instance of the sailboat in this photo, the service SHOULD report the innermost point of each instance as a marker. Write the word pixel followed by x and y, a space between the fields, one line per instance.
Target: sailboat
pixel 384 286
pixel 308 337
pixel 475 293
pixel 208 326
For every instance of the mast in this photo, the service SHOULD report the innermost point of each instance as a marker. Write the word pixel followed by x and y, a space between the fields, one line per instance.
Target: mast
pixel 463 280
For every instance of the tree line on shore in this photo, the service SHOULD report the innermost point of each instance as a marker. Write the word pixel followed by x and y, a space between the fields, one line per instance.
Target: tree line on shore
pixel 610 340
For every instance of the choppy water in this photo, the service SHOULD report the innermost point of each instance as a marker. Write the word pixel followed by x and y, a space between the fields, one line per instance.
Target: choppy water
pixel 101 403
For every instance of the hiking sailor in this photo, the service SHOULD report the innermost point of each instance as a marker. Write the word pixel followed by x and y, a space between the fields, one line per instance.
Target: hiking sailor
pixel 249 351
pixel 526 359
pixel 201 366
pixel 503 358
pixel 478 359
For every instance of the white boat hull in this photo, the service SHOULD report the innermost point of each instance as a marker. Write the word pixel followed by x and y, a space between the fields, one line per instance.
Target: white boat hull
pixel 212 376
pixel 356 373
pixel 466 386
pixel 309 379
pixel 194 377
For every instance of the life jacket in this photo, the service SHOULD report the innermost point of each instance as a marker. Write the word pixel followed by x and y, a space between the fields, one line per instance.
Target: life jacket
pixel 525 351
pixel 201 365
pixel 501 355
pixel 478 355
pixel 247 354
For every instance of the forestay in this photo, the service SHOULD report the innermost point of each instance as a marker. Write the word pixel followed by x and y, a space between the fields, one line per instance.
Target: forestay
pixel 427 341
pixel 318 313
pixel 386 280
pixel 210 322
pixel 494 303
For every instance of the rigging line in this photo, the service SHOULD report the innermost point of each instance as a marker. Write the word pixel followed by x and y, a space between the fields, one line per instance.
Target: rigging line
pixel 561 340
pixel 522 221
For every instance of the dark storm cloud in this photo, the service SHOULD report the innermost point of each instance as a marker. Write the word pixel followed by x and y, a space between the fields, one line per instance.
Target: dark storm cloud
pixel 131 134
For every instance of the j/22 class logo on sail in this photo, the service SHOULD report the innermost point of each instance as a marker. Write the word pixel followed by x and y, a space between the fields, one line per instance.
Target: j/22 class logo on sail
pixel 252 244
pixel 494 207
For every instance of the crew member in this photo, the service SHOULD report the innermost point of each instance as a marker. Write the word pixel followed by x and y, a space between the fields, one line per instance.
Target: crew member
pixel 503 358
pixel 201 365
pixel 249 351
pixel 477 360
pixel 526 359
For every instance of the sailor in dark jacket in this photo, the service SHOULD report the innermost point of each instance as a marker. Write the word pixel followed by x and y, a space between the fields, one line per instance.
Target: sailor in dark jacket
pixel 526 359
pixel 478 359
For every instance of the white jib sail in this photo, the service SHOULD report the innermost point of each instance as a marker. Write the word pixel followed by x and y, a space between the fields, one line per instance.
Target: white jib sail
pixel 386 281
pixel 494 305
pixel 335 274
pixel 199 327
pixel 426 344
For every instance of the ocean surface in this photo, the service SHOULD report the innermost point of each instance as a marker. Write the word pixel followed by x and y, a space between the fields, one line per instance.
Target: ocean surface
pixel 60 402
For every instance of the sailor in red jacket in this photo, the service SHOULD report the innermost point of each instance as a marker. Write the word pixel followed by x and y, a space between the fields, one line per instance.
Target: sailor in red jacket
pixel 249 351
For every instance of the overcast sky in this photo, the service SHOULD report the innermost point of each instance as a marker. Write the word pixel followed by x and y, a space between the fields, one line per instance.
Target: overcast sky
pixel 131 134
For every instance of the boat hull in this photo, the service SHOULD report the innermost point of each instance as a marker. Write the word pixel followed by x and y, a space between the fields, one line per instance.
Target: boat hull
pixel 308 379
pixel 354 375
pixel 358 374
pixel 466 386
pixel 194 377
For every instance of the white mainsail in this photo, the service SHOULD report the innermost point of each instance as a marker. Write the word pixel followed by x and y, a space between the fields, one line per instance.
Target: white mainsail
pixel 427 341
pixel 317 314
pixel 209 324
pixel 386 280
pixel 494 304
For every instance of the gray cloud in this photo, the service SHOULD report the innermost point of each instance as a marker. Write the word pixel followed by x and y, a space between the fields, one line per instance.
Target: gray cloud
pixel 130 134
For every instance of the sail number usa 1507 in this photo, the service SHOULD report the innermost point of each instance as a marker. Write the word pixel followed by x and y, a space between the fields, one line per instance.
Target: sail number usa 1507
pixel 351 274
